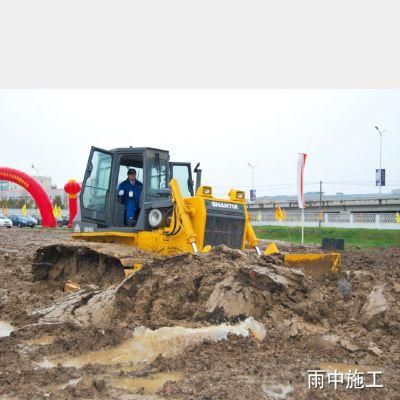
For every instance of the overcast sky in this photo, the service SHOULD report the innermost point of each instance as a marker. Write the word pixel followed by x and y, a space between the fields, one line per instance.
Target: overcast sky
pixel 223 129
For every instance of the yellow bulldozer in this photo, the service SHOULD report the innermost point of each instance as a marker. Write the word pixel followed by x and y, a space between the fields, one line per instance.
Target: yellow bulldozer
pixel 173 214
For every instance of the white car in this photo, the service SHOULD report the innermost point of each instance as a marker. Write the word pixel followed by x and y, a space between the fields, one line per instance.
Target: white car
pixel 4 221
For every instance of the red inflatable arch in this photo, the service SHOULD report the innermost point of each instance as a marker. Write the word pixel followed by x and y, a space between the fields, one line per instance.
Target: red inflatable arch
pixel 35 190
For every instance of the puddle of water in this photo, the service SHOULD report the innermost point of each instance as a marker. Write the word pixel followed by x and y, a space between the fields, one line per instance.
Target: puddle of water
pixel 150 384
pixel 277 391
pixel 129 367
pixel 146 345
pixel 40 341
pixel 71 382
pixel 345 368
pixel 5 329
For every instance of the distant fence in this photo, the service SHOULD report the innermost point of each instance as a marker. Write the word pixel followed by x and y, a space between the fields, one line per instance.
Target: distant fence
pixel 337 220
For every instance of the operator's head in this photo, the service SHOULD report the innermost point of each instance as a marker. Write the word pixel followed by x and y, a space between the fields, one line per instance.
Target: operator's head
pixel 132 174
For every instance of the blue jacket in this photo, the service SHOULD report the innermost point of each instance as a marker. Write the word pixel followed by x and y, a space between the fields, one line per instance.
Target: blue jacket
pixel 130 193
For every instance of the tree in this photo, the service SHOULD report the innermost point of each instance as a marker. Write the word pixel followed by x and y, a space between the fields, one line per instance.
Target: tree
pixel 58 201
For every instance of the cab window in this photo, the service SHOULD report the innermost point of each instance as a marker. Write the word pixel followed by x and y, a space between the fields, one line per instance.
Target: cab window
pixel 181 174
pixel 98 182
pixel 158 174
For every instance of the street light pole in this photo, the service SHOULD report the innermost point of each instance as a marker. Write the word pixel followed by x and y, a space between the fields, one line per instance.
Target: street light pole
pixel 252 166
pixel 380 157
pixel 37 170
pixel 320 204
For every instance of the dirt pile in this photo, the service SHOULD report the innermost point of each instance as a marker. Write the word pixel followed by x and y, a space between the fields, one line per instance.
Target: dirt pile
pixel 223 285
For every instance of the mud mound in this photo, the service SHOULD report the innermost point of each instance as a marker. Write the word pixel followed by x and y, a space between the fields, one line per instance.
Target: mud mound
pixel 222 285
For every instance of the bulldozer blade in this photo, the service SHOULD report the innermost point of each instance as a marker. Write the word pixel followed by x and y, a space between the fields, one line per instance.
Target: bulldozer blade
pixel 315 265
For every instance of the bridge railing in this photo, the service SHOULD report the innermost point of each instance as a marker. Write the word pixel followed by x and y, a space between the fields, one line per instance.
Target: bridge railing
pixel 339 220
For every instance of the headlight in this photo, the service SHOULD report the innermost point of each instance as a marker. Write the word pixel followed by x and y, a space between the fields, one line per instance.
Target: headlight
pixel 207 190
pixel 236 195
pixel 240 195
pixel 155 217
pixel 204 191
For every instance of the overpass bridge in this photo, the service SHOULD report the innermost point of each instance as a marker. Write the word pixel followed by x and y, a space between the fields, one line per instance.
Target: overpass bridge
pixel 339 203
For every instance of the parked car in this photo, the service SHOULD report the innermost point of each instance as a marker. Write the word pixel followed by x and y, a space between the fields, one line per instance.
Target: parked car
pixel 33 219
pixel 63 221
pixel 4 221
pixel 38 219
pixel 21 221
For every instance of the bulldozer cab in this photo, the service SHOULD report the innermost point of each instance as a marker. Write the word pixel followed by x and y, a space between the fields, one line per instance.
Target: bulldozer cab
pixel 106 169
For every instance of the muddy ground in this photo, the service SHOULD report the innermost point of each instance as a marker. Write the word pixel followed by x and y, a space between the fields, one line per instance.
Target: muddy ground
pixel 308 322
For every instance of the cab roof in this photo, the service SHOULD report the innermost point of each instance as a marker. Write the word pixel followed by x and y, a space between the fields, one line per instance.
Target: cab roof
pixel 136 149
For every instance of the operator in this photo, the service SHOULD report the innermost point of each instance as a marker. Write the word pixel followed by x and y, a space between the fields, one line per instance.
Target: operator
pixel 129 194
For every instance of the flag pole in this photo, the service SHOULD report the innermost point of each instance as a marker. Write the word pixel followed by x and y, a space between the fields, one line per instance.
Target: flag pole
pixel 300 189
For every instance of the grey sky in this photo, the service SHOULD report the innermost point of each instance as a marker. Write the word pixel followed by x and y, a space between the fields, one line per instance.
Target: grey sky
pixel 223 129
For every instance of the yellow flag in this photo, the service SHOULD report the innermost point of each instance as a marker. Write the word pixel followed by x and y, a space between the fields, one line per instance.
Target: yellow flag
pixel 59 212
pixel 284 214
pixel 24 211
pixel 278 213
pixel 397 218
pixel 259 216
pixel 271 249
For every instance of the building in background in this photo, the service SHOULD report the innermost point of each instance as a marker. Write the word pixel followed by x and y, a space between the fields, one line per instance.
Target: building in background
pixel 12 191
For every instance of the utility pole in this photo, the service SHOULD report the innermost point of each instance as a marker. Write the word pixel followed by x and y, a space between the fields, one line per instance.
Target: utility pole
pixel 320 204
pixel 380 157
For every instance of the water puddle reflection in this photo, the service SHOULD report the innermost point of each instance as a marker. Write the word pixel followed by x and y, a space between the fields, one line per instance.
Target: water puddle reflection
pixel 146 345
pixel 149 384
pixel 5 329
pixel 40 341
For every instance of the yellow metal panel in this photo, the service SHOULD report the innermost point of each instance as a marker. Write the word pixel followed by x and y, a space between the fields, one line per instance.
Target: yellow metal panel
pixel 154 241
pixel 198 218
pixel 315 264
